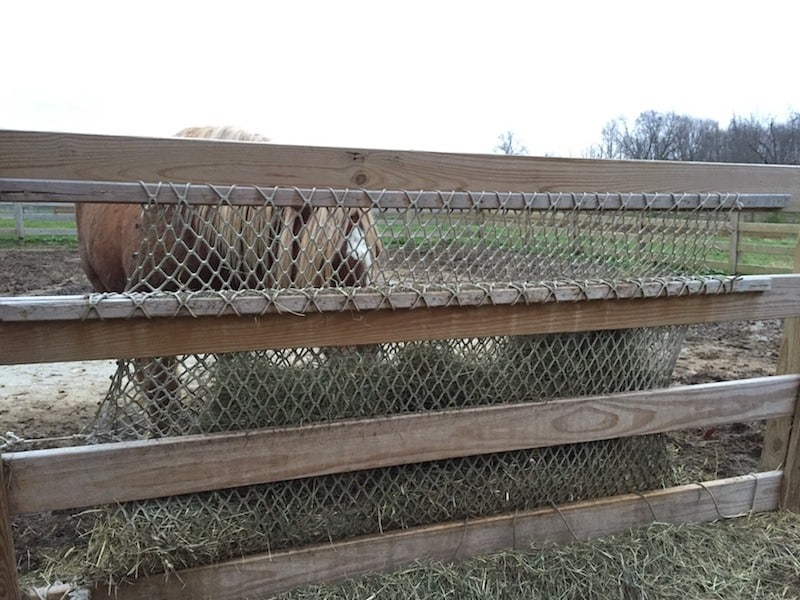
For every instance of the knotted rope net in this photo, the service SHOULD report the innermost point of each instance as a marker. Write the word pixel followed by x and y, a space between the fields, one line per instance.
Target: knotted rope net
pixel 327 248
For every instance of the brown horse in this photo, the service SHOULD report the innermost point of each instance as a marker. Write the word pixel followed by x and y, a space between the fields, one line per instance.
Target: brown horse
pixel 225 247
pixel 218 248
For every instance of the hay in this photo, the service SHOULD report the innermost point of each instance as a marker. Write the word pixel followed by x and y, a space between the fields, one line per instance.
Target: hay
pixel 165 535
pixel 746 558
pixel 241 391
pixel 249 390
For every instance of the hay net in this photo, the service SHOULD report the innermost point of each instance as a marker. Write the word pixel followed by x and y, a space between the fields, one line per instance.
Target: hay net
pixel 327 243
pixel 387 242
pixel 414 248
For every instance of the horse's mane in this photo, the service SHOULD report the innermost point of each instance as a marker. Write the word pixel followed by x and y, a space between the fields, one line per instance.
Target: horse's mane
pixel 273 246
pixel 225 132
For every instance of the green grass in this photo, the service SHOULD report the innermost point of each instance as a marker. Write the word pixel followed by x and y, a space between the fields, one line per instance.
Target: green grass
pixel 763 260
pixel 49 242
pixel 38 223
pixel 397 234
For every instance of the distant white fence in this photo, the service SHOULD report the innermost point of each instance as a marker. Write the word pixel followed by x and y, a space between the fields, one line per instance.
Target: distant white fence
pixel 37 219
pixel 749 245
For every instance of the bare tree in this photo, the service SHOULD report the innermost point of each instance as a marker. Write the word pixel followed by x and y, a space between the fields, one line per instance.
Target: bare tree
pixel 661 136
pixel 752 140
pixel 510 145
pixel 701 140
pixel 746 141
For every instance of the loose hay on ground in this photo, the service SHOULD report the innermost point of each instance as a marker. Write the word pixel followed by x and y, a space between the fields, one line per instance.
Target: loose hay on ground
pixel 741 559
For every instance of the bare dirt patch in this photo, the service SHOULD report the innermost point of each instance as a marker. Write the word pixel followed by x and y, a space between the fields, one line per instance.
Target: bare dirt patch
pixel 41 271
pixel 47 400
pixel 722 352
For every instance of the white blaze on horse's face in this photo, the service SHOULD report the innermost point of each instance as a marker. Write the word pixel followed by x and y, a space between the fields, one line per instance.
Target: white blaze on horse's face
pixel 358 251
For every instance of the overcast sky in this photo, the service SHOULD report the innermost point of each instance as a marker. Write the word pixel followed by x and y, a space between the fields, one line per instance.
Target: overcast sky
pixel 406 74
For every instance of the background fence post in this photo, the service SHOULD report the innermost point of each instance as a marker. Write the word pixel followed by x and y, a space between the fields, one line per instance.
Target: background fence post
pixel 19 220
pixel 733 248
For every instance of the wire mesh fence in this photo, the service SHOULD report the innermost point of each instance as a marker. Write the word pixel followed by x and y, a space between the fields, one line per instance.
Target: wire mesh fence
pixel 401 241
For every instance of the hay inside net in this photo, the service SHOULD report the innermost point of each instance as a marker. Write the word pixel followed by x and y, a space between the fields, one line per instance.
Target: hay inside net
pixel 248 390
pixel 446 249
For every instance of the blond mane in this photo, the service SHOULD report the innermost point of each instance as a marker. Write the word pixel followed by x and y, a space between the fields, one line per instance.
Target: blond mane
pixel 225 132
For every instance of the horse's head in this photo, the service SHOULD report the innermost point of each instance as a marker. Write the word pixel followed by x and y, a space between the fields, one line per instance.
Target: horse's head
pixel 355 263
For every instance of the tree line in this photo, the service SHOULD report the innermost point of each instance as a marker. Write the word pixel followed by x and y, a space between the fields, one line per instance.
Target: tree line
pixel 670 136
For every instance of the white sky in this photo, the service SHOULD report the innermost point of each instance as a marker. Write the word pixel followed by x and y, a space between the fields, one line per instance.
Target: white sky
pixel 407 74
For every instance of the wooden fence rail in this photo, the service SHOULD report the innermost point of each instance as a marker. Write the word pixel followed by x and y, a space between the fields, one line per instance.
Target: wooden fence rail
pixel 104 474
pixel 37 219
pixel 56 479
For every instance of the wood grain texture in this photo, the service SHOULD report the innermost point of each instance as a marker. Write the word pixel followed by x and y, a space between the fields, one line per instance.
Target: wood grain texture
pixel 125 306
pixel 73 477
pixel 9 585
pixel 790 491
pixel 268 574
pixel 785 434
pixel 774 453
pixel 60 190
pixel 51 341
pixel 45 155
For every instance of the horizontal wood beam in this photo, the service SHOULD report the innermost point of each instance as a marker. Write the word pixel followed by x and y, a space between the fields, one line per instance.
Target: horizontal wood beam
pixel 744 268
pixel 48 190
pixel 765 249
pixel 186 304
pixel 775 229
pixel 56 479
pixel 43 155
pixel 53 341
pixel 268 574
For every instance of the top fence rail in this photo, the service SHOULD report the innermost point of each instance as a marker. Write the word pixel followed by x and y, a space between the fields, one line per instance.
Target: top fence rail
pixel 69 156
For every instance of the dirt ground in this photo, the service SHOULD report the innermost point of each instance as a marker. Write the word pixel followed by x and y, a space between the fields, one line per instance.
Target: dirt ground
pixel 47 400
pixel 51 400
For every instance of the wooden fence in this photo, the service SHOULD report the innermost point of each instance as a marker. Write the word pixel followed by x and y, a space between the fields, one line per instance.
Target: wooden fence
pixel 46 480
pixel 37 219
pixel 752 247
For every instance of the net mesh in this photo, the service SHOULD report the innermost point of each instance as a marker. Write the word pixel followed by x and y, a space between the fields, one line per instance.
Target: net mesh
pixel 247 390
pixel 407 245
pixel 402 240
pixel 161 535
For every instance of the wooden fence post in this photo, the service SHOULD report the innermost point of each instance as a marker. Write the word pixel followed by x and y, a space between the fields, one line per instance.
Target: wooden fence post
pixel 782 436
pixel 790 490
pixel 733 248
pixel 19 220
pixel 9 586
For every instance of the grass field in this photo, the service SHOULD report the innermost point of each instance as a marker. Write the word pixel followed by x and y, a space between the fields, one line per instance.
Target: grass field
pixel 758 252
